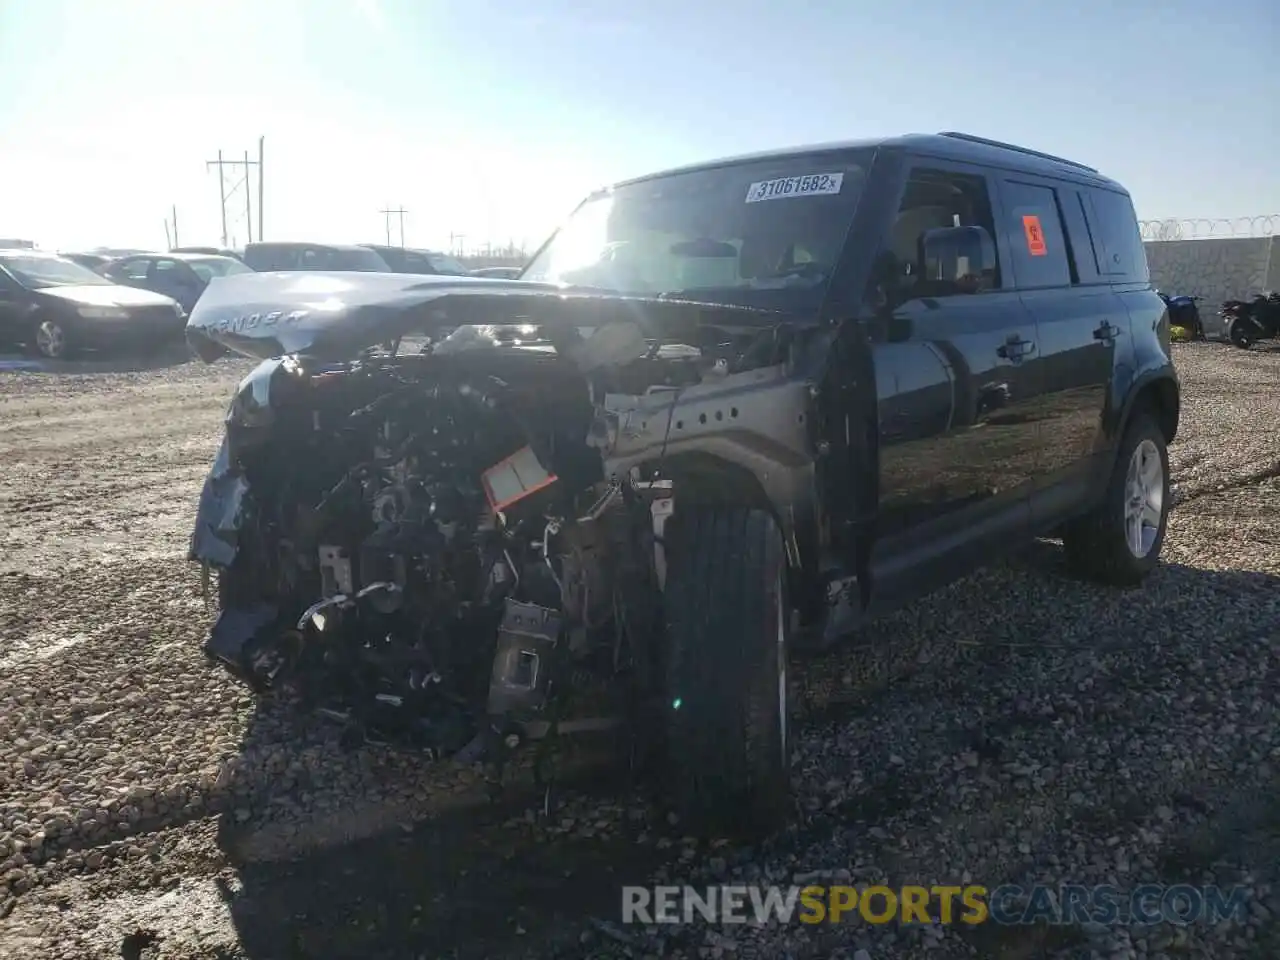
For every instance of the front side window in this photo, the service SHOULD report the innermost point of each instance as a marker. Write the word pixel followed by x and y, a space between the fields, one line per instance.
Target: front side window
pixel 217 267
pixel 765 233
pixel 268 259
pixel 363 260
pixel 134 269
pixel 442 263
pixel 937 199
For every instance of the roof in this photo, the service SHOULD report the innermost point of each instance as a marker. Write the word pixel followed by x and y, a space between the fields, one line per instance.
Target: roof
pixel 174 255
pixel 392 247
pixel 962 147
pixel 351 247
pixel 28 252
pixel 192 255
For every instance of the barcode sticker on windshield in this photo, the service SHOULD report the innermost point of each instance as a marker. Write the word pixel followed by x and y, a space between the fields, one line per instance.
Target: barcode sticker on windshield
pixel 810 185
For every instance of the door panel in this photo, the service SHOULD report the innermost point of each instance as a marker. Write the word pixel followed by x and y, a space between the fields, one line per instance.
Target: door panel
pixel 1080 331
pixel 13 312
pixel 956 386
pixel 957 403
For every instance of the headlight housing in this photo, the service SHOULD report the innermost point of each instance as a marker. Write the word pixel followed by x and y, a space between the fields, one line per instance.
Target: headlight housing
pixel 102 313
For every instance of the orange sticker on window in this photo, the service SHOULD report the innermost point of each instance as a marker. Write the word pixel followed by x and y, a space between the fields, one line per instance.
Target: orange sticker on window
pixel 1035 236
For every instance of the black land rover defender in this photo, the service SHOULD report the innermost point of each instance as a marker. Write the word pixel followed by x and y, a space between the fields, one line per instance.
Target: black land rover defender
pixel 749 404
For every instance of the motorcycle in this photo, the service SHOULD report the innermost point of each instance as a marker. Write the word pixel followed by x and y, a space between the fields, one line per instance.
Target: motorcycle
pixel 1248 321
pixel 1184 313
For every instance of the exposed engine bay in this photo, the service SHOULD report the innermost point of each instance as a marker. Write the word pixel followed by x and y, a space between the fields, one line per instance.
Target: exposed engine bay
pixel 440 548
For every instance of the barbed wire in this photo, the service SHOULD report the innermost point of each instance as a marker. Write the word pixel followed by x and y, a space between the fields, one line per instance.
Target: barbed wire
pixel 1204 228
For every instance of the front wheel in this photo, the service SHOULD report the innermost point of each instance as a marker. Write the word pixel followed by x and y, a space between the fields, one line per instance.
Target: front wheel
pixel 50 340
pixel 728 624
pixel 1119 543
pixel 1240 334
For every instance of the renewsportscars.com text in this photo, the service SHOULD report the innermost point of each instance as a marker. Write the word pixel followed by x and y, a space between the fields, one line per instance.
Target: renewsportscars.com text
pixel 970 904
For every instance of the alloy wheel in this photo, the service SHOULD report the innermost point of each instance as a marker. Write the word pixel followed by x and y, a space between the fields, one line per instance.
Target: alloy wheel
pixel 51 340
pixel 1144 499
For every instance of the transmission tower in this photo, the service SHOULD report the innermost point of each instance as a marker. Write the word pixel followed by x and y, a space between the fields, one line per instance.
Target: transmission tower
pixel 240 181
pixel 387 214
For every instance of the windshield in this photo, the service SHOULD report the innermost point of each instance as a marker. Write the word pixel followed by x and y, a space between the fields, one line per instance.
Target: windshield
pixel 721 234
pixel 37 272
pixel 217 267
pixel 447 264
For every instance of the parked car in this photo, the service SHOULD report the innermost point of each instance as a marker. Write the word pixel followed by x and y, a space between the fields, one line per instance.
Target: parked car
pixel 183 276
pixel 115 253
pixel 270 255
pixel 212 251
pixel 847 375
pixel 497 273
pixel 90 260
pixel 409 260
pixel 56 307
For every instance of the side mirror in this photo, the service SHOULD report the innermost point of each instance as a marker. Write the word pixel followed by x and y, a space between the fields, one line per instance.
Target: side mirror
pixel 963 258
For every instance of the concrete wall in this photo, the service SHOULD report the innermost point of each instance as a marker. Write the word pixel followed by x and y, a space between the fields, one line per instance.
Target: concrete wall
pixel 1216 269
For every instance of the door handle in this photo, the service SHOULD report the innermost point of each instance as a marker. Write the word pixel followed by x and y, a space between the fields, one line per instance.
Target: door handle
pixel 1015 348
pixel 1106 332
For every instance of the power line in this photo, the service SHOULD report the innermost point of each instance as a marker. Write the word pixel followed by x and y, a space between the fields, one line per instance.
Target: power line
pixel 386 217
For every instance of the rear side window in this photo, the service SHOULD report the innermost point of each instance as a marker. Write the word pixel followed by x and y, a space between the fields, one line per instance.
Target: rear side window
pixel 1117 240
pixel 1033 232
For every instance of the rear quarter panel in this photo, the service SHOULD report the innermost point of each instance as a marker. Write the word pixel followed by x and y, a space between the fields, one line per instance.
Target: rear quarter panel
pixel 1151 356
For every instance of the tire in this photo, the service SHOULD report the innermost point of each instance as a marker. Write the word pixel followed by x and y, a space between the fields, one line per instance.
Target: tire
pixel 1240 334
pixel 49 339
pixel 1105 546
pixel 728 625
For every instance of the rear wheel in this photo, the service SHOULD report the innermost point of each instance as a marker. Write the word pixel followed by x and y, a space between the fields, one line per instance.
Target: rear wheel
pixel 1240 334
pixel 1119 543
pixel 728 622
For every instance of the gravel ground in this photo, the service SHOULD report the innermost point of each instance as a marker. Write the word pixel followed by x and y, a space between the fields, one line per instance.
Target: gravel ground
pixel 1019 726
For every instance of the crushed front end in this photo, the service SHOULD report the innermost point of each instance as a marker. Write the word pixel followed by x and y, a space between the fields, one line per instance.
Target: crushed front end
pixel 456 544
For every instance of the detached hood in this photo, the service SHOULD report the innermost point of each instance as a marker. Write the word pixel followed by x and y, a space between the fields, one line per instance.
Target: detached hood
pixel 332 316
pixel 107 295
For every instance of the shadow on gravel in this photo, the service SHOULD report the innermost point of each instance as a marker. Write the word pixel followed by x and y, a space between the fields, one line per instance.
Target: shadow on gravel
pixel 453 873
pixel 170 356
pixel 479 879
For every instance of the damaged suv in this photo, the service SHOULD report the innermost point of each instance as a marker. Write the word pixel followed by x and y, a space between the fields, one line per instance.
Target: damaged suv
pixel 726 410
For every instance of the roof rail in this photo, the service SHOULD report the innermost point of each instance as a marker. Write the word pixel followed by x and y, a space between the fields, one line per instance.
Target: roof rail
pixel 1009 146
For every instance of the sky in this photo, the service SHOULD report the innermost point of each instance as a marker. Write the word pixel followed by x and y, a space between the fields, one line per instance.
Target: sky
pixel 491 119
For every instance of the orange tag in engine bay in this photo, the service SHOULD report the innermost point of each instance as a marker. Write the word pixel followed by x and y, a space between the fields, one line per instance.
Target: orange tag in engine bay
pixel 518 476
pixel 1035 236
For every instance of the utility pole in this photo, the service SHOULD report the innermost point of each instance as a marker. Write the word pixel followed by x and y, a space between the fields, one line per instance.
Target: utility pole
pixel 176 241
pixel 243 183
pixel 248 207
pixel 222 193
pixel 261 235
pixel 455 243
pixel 386 215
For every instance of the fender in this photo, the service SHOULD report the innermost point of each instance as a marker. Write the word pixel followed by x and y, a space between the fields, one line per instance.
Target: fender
pixel 1158 380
